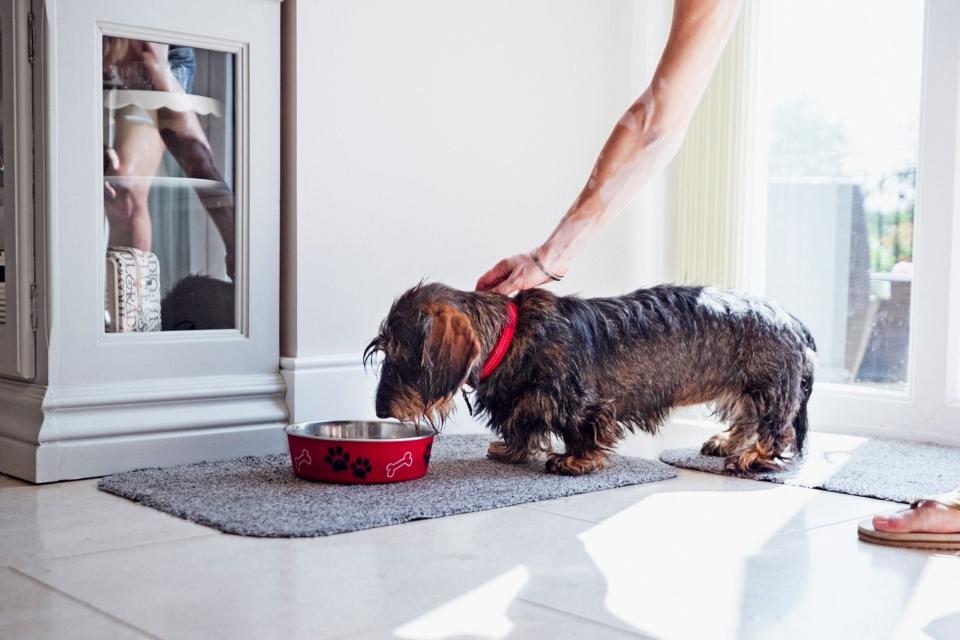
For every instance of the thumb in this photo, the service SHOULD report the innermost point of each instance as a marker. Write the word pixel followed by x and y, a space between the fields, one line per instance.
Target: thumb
pixel 494 276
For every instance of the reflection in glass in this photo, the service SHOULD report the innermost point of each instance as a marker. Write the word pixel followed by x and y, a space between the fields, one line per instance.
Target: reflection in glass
pixel 843 140
pixel 169 216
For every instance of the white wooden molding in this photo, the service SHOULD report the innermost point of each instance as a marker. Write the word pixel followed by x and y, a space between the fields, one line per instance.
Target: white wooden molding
pixel 328 387
pixel 82 431
pixel 334 360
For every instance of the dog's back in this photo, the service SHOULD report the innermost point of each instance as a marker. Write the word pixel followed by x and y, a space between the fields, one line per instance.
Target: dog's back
pixel 707 325
pixel 668 346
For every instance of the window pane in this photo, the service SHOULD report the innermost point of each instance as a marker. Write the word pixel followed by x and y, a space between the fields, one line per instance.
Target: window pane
pixel 843 83
pixel 168 160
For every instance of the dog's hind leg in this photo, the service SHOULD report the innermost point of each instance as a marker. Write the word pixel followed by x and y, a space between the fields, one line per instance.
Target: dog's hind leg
pixel 721 444
pixel 764 423
pixel 741 417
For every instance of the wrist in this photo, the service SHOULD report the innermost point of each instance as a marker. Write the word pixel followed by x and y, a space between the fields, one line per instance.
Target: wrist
pixel 553 257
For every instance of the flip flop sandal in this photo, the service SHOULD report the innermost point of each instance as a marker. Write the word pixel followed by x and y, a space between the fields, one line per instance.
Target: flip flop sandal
pixel 916 540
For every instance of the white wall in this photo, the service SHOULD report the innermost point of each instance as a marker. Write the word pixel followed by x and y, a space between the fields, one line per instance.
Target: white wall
pixel 432 138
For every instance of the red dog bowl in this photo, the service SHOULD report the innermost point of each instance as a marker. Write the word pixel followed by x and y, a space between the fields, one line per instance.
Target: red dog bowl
pixel 359 452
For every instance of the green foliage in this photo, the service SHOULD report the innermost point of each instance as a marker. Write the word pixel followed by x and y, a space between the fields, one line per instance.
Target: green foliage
pixel 890 232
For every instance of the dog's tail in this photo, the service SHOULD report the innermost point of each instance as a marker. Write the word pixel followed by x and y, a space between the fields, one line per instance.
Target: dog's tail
pixel 800 421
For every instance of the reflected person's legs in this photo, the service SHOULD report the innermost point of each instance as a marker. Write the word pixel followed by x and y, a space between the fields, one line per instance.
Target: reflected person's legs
pixel 139 150
pixel 187 143
pixel 926 517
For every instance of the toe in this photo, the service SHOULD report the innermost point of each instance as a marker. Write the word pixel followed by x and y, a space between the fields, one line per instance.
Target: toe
pixel 900 522
pixel 887 523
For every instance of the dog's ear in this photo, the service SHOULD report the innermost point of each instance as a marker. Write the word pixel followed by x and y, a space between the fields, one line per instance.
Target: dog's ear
pixel 450 350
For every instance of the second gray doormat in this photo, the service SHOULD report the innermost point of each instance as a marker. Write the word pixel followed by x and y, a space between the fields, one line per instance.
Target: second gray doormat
pixel 260 496
pixel 887 469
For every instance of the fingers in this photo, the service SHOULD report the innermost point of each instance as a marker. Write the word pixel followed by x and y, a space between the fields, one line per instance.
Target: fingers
pixel 524 276
pixel 511 275
pixel 495 276
pixel 507 288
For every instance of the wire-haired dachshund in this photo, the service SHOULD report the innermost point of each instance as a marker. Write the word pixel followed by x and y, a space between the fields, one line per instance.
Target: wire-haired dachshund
pixel 587 371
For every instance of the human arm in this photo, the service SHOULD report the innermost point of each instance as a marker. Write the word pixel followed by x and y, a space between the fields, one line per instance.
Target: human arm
pixel 642 143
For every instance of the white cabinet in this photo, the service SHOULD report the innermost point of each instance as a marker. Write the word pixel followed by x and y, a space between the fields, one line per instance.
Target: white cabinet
pixel 155 235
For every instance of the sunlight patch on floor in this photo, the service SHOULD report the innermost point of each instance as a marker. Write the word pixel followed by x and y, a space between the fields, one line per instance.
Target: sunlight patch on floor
pixel 480 612
pixel 935 591
pixel 679 537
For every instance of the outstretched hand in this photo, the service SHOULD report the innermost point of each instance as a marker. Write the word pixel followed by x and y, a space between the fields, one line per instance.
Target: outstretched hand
pixel 512 274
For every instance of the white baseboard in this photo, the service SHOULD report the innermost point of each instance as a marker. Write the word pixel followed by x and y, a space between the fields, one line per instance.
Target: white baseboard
pixel 93 457
pixel 61 433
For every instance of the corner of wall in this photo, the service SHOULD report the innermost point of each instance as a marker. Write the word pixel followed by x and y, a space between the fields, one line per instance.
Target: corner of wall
pixel 288 178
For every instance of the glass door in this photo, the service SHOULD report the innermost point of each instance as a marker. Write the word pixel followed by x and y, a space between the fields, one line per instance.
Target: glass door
pixel 16 197
pixel 168 186
pixel 843 152
pixel 863 215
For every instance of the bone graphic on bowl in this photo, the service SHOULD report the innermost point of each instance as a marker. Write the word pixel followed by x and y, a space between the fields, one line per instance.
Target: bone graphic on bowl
pixel 303 459
pixel 405 461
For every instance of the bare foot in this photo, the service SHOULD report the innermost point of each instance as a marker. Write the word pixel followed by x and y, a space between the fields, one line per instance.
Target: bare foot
pixel 927 517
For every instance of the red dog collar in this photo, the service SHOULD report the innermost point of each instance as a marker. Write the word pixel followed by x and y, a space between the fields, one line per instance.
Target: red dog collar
pixel 503 342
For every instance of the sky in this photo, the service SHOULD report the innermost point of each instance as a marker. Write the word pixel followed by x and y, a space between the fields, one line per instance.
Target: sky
pixel 860 62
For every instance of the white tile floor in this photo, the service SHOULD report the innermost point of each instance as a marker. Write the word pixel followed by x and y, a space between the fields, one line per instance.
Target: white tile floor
pixel 700 556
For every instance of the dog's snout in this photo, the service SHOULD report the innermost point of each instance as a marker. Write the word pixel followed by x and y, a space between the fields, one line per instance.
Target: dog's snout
pixel 383 402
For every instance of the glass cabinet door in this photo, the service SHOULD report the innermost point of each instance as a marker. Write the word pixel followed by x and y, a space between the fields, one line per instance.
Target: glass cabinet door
pixel 169 220
pixel 16 200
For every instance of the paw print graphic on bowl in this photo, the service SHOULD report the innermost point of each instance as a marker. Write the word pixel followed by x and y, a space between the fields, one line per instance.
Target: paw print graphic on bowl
pixel 361 467
pixel 337 458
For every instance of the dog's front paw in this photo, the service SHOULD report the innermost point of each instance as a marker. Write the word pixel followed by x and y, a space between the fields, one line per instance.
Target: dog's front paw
pixel 570 465
pixel 502 452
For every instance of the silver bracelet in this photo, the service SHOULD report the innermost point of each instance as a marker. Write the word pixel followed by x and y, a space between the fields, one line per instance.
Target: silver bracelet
pixel 536 261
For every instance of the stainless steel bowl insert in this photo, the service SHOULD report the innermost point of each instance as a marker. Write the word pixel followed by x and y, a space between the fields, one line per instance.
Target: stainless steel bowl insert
pixel 359 430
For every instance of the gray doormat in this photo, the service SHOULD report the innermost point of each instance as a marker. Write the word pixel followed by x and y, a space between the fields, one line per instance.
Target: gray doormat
pixel 887 469
pixel 260 496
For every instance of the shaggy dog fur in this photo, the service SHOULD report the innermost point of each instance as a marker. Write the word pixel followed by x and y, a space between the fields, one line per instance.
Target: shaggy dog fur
pixel 588 371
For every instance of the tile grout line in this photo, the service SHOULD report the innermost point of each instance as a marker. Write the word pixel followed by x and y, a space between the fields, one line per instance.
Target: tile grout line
pixel 579 617
pixel 826 524
pixel 84 604
pixel 140 545
pixel 554 513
